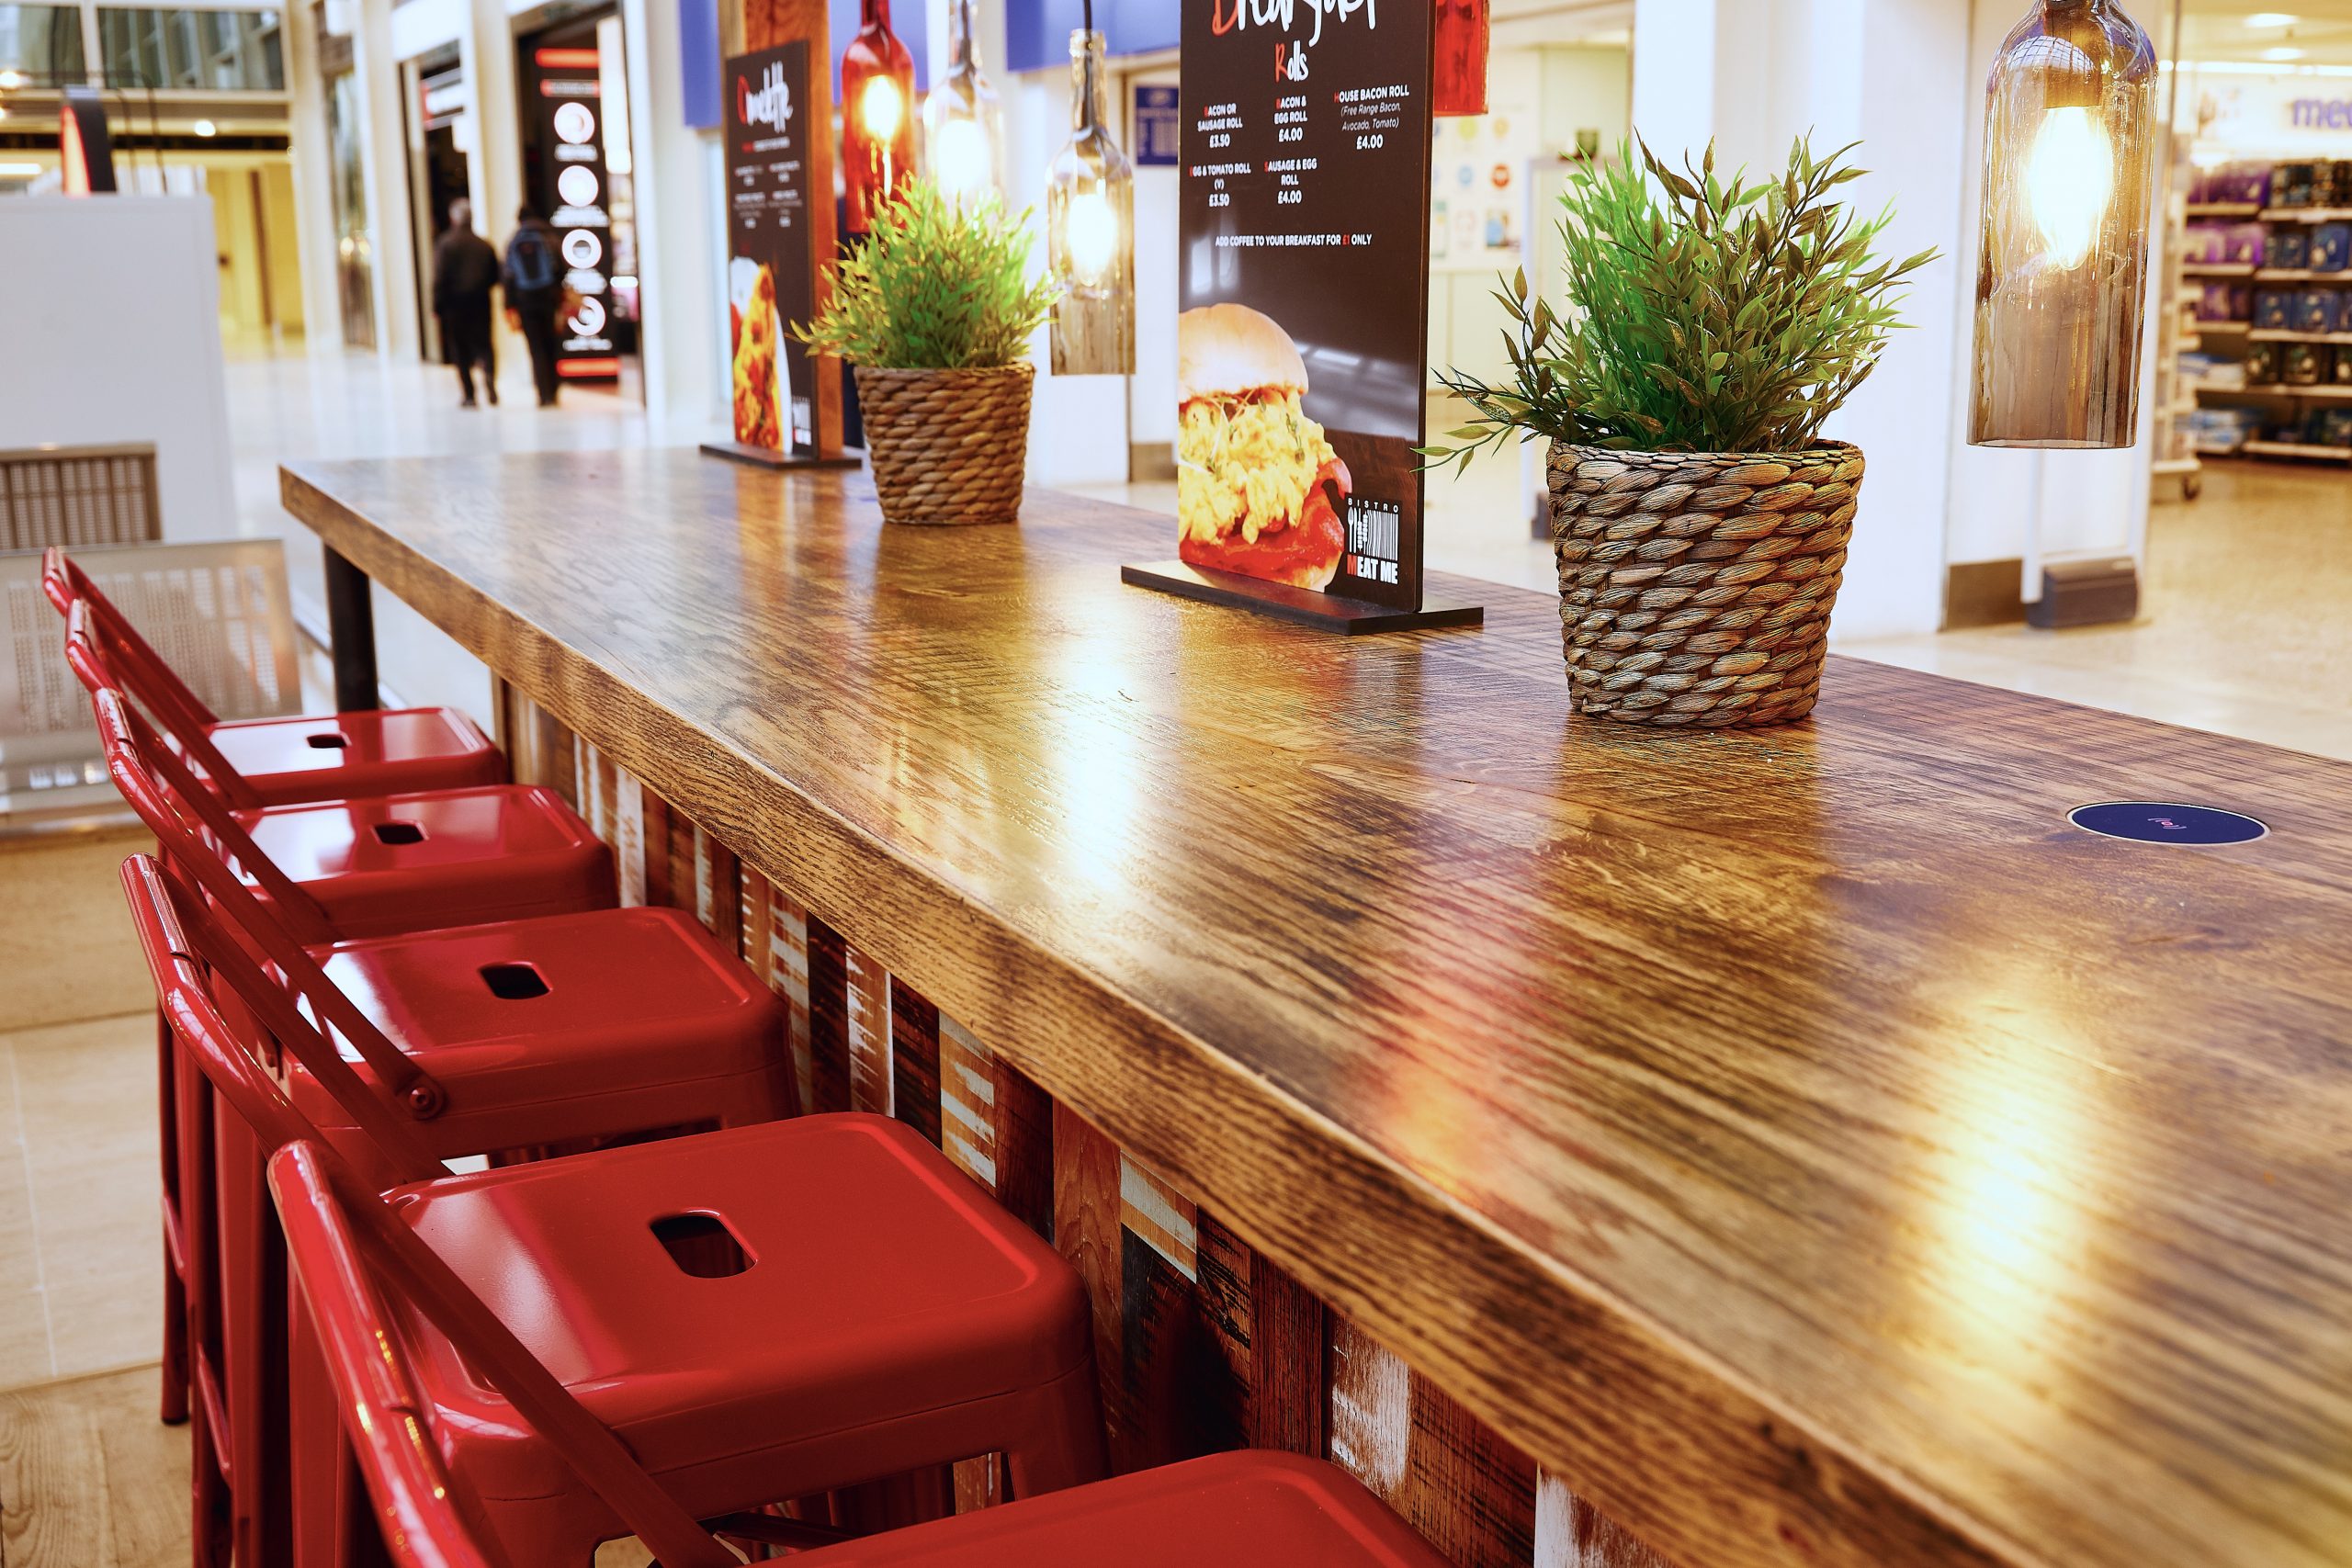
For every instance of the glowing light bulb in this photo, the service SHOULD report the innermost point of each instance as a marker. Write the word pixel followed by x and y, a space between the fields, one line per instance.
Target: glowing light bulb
pixel 1092 238
pixel 962 161
pixel 882 107
pixel 206 127
pixel 2070 184
pixel 12 78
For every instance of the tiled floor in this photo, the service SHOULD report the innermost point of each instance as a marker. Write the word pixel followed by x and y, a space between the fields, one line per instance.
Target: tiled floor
pixel 80 1271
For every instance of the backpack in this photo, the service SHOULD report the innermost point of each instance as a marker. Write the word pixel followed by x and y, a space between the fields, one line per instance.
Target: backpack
pixel 530 262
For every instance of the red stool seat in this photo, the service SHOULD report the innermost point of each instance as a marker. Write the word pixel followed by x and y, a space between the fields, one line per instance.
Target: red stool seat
pixel 271 762
pixel 890 1317
pixel 344 756
pixel 408 863
pixel 562 1028
pixel 1253 1509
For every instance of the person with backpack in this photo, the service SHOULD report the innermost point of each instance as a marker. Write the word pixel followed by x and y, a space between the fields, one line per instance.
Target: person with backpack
pixel 535 294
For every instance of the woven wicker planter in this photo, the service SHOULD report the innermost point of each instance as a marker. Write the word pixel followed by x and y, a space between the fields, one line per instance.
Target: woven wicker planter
pixel 948 446
pixel 1695 587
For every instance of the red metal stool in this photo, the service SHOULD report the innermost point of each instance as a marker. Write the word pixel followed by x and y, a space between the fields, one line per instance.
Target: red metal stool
pixel 278 762
pixel 609 1023
pixel 1236 1509
pixel 754 1314
pixel 383 867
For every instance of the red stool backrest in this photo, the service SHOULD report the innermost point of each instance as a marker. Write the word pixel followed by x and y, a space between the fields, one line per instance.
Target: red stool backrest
pixel 326 1191
pixel 128 753
pixel 120 656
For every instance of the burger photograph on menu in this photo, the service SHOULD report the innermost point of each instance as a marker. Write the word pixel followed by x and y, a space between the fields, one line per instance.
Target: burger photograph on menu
pixel 1259 490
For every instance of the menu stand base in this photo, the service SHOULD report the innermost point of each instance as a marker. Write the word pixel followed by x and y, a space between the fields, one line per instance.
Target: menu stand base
pixel 1354 617
pixel 762 456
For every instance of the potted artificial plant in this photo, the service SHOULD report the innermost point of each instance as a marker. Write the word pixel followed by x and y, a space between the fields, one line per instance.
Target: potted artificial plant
pixel 935 310
pixel 1698 519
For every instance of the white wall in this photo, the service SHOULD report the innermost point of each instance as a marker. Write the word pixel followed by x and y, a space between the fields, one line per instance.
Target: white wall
pixel 127 348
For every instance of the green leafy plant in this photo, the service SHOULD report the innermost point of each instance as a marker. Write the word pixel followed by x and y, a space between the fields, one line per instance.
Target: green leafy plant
pixel 934 287
pixel 1701 316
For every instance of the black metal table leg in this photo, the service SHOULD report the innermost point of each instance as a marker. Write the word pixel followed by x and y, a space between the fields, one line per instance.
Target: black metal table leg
pixel 351 627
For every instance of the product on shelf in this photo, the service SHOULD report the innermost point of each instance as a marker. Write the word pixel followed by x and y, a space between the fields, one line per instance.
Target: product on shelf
pixel 2231 184
pixel 2302 364
pixel 2315 310
pixel 2331 427
pixel 2262 364
pixel 2274 310
pixel 2291 185
pixel 2289 248
pixel 2340 372
pixel 2339 185
pixel 2331 248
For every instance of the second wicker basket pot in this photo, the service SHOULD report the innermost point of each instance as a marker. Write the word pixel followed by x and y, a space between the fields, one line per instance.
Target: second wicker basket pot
pixel 1696 587
pixel 948 446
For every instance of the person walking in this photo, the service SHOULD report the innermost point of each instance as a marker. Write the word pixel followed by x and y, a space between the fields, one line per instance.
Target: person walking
pixel 465 270
pixel 535 294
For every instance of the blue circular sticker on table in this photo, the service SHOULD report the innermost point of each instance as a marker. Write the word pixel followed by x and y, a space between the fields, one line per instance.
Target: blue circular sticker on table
pixel 2158 822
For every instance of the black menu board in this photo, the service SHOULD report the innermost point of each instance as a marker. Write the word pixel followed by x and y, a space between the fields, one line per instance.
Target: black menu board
pixel 1303 341
pixel 771 267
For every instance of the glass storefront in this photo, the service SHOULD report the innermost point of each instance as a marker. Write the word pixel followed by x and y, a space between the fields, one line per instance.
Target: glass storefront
pixel 226 51
pixel 41 43
pixel 354 253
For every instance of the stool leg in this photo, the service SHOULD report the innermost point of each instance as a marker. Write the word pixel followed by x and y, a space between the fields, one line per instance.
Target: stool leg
pixel 175 1391
pixel 1062 1446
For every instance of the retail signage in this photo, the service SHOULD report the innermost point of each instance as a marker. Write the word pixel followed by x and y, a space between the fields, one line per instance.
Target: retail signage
pixel 566 92
pixel 769 97
pixel 2321 114
pixel 1303 339
pixel 1158 127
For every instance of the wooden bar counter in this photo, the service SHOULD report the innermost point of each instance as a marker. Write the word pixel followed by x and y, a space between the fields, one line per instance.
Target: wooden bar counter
pixel 1791 1148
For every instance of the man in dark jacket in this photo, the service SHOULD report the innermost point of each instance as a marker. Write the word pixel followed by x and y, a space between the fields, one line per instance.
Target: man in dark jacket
pixel 465 269
pixel 535 294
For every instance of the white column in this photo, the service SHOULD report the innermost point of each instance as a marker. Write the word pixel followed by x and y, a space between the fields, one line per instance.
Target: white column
pixel 312 166
pixel 682 326
pixel 385 173
pixel 488 51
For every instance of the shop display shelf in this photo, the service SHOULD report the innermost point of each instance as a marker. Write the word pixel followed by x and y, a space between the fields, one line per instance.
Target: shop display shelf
pixel 2298 449
pixel 2307 215
pixel 2223 328
pixel 2273 334
pixel 2225 208
pixel 2282 389
pixel 2216 269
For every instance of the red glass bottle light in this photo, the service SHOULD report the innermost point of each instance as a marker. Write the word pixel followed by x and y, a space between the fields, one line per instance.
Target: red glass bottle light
pixel 878 113
pixel 1460 86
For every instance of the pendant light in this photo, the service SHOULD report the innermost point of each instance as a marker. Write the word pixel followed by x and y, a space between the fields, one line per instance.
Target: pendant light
pixel 878 115
pixel 963 124
pixel 1464 34
pixel 1091 228
pixel 2062 278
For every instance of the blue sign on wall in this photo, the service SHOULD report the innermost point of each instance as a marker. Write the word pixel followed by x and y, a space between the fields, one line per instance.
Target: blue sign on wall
pixel 698 61
pixel 1160 128
pixel 1037 32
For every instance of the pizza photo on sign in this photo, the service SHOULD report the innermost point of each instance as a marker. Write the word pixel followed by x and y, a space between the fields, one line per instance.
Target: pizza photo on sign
pixel 761 394
pixel 1259 490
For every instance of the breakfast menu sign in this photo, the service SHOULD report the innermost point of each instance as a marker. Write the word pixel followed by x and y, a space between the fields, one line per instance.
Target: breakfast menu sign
pixel 1303 341
pixel 771 265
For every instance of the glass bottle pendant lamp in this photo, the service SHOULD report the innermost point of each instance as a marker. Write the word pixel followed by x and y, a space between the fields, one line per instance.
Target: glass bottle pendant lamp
pixel 1091 229
pixel 2062 279
pixel 1462 47
pixel 963 124
pixel 878 115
